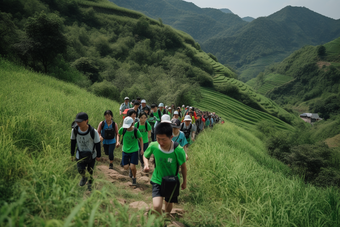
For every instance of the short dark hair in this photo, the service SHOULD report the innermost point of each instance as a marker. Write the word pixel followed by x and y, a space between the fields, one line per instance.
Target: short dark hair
pixel 130 112
pixel 136 103
pixel 108 112
pixel 164 128
pixel 143 113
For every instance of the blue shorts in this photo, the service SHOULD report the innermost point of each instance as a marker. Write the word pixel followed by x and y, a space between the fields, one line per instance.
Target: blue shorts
pixel 130 158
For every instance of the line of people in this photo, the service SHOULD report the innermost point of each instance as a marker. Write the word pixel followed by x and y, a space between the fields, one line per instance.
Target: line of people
pixel 158 130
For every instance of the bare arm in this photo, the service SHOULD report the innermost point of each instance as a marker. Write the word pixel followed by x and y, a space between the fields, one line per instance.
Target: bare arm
pixel 141 146
pixel 146 164
pixel 99 130
pixel 184 173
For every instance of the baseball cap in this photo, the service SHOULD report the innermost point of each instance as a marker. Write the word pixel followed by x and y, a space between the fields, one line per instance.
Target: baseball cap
pixel 187 118
pixel 165 118
pixel 127 122
pixel 81 117
pixel 169 107
pixel 143 101
pixel 161 105
pixel 176 112
pixel 175 123
pixel 126 98
pixel 183 105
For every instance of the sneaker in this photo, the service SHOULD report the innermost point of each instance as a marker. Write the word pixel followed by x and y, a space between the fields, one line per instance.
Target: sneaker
pixel 130 173
pixel 134 181
pixel 89 187
pixel 111 166
pixel 83 181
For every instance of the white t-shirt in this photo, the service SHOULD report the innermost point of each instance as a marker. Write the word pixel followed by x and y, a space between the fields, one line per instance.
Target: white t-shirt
pixel 85 141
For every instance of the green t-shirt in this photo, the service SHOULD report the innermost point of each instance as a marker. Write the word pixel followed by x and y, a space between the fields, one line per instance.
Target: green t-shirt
pixel 130 143
pixel 166 162
pixel 144 131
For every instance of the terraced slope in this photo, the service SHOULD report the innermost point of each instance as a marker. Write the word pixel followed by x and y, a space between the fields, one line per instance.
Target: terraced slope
pixel 264 104
pixel 219 69
pixel 234 111
pixel 270 82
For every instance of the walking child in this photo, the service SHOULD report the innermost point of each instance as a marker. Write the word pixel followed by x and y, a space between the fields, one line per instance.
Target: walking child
pixel 131 136
pixel 86 138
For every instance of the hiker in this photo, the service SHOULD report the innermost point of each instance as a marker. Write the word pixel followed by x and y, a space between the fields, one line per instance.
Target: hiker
pixel 168 157
pixel 130 135
pixel 136 106
pixel 143 106
pixel 145 129
pixel 125 105
pixel 166 119
pixel 108 131
pixel 199 124
pixel 207 121
pixel 154 119
pixel 161 109
pixel 188 129
pixel 179 136
pixel 88 147
pixel 176 115
pixel 133 114
pixel 170 111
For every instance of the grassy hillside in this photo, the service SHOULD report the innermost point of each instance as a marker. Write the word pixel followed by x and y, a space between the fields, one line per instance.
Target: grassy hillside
pixel 245 94
pixel 39 183
pixel 236 112
pixel 268 82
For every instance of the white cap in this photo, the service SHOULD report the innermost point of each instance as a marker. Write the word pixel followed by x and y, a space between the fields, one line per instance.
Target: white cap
pixel 126 98
pixel 187 118
pixel 190 107
pixel 166 107
pixel 169 108
pixel 176 112
pixel 183 105
pixel 143 101
pixel 127 122
pixel 166 118
pixel 161 105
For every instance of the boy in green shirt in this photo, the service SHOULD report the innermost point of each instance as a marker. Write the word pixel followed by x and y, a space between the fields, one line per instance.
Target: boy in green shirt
pixel 167 159
pixel 130 146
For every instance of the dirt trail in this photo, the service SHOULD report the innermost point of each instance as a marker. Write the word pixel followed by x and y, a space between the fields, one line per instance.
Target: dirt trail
pixel 121 179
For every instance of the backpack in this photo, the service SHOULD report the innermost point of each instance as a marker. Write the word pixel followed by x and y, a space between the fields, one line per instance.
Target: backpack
pixel 85 157
pixel 134 132
pixel 75 128
pixel 186 131
pixel 146 126
pixel 109 133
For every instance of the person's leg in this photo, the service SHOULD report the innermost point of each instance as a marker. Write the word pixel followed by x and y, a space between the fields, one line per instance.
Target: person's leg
pixel 157 204
pixel 106 149
pixel 81 170
pixel 111 151
pixel 90 168
pixel 134 163
pixel 168 207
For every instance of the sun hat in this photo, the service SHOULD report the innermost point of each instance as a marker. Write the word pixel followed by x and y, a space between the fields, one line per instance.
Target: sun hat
pixel 127 122
pixel 165 118
pixel 126 98
pixel 187 118
pixel 161 105
pixel 175 123
pixel 81 117
pixel 143 101
pixel 176 112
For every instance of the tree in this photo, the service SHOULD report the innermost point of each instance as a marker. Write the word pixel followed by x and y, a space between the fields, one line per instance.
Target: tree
pixel 7 33
pixel 44 40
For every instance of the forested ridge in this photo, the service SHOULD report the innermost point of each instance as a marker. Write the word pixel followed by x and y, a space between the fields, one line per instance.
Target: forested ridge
pixel 111 51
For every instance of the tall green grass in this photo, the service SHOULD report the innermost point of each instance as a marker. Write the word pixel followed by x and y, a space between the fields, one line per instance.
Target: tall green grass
pixel 39 183
pixel 233 182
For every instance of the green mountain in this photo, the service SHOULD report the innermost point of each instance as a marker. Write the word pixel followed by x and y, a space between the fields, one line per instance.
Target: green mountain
pixel 225 10
pixel 308 80
pixel 271 39
pixel 248 19
pixel 115 52
pixel 200 23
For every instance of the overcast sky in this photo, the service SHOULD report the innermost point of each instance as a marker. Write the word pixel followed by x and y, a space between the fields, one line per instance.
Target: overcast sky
pixel 258 8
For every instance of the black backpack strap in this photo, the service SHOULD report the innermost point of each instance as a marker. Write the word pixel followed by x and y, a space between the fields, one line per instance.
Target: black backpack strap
pixel 135 132
pixel 103 124
pixel 138 124
pixel 182 126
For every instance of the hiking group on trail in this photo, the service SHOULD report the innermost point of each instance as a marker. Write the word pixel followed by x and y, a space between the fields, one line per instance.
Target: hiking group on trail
pixel 164 132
